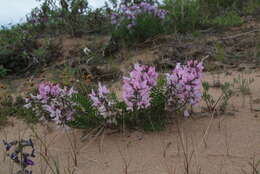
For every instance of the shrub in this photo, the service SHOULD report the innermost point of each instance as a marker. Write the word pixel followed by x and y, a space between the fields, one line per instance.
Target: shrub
pixel 68 16
pixel 42 15
pixel 21 52
pixel 136 23
pixel 71 12
pixel 16 44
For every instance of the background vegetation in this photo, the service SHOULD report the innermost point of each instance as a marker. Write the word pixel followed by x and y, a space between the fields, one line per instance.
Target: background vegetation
pixel 22 49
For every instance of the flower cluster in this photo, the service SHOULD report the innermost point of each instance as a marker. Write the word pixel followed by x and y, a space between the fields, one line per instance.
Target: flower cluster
pixel 103 103
pixel 184 83
pixel 133 11
pixel 137 87
pixel 19 156
pixel 52 102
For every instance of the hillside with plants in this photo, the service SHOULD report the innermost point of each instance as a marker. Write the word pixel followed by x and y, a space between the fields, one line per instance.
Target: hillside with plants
pixel 136 86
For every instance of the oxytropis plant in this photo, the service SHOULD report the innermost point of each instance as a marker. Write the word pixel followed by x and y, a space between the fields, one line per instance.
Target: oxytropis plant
pixel 52 102
pixel 136 96
pixel 20 152
pixel 144 98
pixel 104 104
pixel 137 87
pixel 138 22
pixel 184 85
pixel 132 12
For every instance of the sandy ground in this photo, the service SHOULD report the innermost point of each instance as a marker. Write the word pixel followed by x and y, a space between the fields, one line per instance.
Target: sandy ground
pixel 226 144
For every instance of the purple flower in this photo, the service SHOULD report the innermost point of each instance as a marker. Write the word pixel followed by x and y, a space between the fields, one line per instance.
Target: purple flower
pixel 137 87
pixel 44 90
pixel 130 13
pixel 184 83
pixel 103 103
pixel 102 90
pixel 52 102
pixel 27 161
pixel 55 90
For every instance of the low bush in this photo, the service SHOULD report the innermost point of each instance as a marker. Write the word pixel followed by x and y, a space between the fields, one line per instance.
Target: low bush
pixel 16 45
pixel 138 22
pixel 20 50
pixel 72 17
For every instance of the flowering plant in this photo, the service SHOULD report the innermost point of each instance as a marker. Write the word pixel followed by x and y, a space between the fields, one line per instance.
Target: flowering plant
pixel 137 22
pixel 144 97
pixel 132 12
pixel 52 102
pixel 184 84
pixel 19 156
pixel 137 87
pixel 104 104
